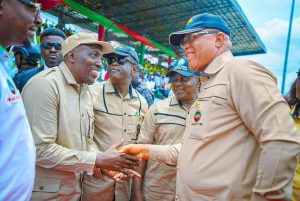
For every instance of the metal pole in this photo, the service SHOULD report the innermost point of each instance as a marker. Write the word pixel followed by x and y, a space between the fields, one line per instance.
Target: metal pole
pixel 142 53
pixel 287 48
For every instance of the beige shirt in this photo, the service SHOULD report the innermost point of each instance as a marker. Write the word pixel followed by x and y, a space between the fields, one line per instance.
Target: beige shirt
pixel 60 113
pixel 116 117
pixel 163 124
pixel 240 142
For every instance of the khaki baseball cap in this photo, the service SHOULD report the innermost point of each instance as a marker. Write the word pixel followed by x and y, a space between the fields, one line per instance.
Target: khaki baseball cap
pixel 84 38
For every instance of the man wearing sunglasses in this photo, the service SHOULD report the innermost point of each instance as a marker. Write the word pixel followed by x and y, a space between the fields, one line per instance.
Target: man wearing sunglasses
pixel 18 21
pixel 119 111
pixel 241 143
pixel 51 40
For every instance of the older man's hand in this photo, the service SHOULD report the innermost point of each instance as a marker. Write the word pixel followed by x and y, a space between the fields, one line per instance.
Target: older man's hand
pixel 139 150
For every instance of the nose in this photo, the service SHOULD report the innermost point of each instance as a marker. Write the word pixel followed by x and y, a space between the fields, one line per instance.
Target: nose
pixel 38 20
pixel 98 64
pixel 176 83
pixel 52 49
pixel 186 46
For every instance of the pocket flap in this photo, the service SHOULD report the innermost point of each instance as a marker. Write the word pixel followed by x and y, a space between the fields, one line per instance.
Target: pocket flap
pixel 50 185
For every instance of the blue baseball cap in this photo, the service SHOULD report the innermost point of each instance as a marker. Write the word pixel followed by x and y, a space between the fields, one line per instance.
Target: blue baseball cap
pixel 181 67
pixel 124 51
pixel 198 23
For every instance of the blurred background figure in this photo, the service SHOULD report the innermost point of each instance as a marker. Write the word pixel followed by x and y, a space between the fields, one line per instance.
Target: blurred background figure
pixel 293 100
pixel 141 87
pixel 27 57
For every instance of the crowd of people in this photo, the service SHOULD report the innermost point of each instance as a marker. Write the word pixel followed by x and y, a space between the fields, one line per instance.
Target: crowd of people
pixel 224 132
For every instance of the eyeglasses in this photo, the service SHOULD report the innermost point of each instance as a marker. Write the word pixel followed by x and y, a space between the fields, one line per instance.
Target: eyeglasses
pixel 183 79
pixel 33 5
pixel 48 46
pixel 193 36
pixel 119 60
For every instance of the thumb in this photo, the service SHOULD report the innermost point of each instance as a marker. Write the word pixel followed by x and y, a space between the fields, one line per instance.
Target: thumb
pixel 118 145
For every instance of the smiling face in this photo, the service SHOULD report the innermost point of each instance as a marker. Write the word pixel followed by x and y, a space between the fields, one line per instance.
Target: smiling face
pixel 19 22
pixel 85 62
pixel 51 55
pixel 121 72
pixel 185 88
pixel 201 51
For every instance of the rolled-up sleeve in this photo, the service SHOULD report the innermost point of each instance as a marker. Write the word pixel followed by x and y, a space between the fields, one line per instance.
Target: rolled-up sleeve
pixel 41 103
pixel 256 98
pixel 164 153
pixel 146 135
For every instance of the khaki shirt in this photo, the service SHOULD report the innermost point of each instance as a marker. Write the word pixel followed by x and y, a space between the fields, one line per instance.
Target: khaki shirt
pixel 163 124
pixel 60 113
pixel 240 142
pixel 115 118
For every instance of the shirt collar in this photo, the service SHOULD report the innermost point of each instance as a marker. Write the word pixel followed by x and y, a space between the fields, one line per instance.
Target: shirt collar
pixel 110 88
pixel 69 76
pixel 45 67
pixel 174 101
pixel 218 63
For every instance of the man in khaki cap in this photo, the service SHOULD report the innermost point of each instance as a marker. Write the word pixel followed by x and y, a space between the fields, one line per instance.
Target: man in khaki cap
pixel 59 107
pixel 240 143
pixel 119 110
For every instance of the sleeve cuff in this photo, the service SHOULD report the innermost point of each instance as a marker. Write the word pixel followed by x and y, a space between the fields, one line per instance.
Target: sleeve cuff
pixel 88 160
pixel 157 152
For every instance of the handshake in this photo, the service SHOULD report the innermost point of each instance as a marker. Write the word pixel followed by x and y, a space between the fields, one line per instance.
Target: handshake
pixel 120 164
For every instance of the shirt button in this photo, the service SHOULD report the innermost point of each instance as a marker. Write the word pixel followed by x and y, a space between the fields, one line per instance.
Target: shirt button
pixel 82 115
pixel 42 187
pixel 124 113
pixel 124 130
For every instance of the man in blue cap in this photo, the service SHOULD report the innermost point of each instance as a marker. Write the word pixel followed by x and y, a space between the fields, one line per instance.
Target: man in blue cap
pixel 241 143
pixel 26 58
pixel 118 113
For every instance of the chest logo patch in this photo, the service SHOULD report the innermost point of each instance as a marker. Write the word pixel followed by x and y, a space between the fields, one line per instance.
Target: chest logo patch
pixel 197 116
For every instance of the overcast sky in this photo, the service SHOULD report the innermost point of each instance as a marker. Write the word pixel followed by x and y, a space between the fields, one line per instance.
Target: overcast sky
pixel 270 18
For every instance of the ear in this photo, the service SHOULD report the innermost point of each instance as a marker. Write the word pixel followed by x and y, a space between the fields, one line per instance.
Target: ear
pixel 1 7
pixel 220 39
pixel 134 69
pixel 71 57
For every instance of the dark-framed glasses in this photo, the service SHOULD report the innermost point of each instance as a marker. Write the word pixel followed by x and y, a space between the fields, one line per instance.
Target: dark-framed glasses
pixel 189 39
pixel 119 60
pixel 31 4
pixel 49 46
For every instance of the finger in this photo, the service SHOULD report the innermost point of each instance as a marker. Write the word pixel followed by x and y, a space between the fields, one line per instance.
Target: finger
pixel 129 164
pixel 134 173
pixel 118 145
pixel 132 158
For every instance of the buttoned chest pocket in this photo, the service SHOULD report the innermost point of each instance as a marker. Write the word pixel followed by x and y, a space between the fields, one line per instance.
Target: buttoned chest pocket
pixel 134 126
pixel 90 123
